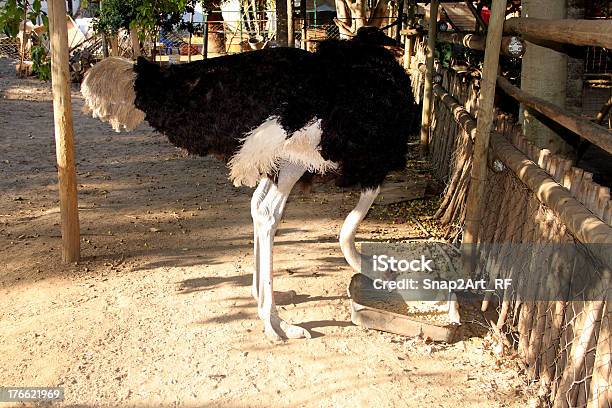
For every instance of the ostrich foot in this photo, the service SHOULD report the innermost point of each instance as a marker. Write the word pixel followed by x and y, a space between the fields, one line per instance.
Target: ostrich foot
pixel 280 297
pixel 276 329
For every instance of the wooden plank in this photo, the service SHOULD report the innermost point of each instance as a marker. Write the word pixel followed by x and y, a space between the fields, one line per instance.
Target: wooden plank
pixel 603 197
pixel 577 32
pixel 607 217
pixel 544 158
pixel 483 131
pixel 428 88
pixel 64 138
pixel 586 129
pixel 592 196
pixel 583 190
pixel 392 193
pixel 566 171
pixel 552 166
pixel 576 181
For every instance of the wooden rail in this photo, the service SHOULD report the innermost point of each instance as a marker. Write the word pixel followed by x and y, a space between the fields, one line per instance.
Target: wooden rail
pixel 586 129
pixel 511 45
pixel 578 182
pixel 576 32
pixel 460 114
pixel 581 222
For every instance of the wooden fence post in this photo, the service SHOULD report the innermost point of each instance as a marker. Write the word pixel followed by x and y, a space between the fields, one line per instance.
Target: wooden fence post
pixel 282 34
pixel 64 142
pixel 428 88
pixel 400 18
pixel 304 16
pixel 205 36
pixel 190 37
pixel 23 72
pixel 409 39
pixel 483 133
pixel 290 25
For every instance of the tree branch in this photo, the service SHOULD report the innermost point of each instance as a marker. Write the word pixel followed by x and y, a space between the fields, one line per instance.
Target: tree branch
pixel 378 13
pixel 344 28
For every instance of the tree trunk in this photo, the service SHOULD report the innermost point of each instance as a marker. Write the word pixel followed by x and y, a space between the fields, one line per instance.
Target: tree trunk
pixel 115 45
pixel 544 74
pixel 352 15
pixel 136 43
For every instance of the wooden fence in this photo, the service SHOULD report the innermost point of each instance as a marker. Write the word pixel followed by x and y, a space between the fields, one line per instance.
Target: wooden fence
pixel 546 225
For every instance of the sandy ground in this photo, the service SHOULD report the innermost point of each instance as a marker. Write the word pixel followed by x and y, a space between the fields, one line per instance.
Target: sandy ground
pixel 158 312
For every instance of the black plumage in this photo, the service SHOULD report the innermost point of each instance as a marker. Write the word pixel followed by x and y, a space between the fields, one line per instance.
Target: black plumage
pixel 356 88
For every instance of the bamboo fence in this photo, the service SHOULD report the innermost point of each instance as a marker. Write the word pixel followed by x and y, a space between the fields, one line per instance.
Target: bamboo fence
pixel 547 225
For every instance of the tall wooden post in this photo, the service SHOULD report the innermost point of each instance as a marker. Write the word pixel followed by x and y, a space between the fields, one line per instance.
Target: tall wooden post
pixel 190 37
pixel 400 18
pixel 290 25
pixel 428 87
pixel 281 23
pixel 484 125
pixel 409 39
pixel 23 72
pixel 205 34
pixel 64 141
pixel 304 16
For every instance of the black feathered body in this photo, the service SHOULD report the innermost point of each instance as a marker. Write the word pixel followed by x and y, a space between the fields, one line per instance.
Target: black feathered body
pixel 357 91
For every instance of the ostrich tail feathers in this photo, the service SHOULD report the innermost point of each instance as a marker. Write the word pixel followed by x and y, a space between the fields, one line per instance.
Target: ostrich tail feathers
pixel 108 89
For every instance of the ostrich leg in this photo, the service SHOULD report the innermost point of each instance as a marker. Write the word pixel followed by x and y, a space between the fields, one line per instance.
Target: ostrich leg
pixel 258 197
pixel 256 200
pixel 269 215
pixel 349 228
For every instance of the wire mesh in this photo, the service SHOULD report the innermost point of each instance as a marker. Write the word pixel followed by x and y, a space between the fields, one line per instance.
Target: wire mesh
pixel 556 318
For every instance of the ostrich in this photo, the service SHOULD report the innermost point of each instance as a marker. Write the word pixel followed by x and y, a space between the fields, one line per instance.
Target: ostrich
pixel 273 115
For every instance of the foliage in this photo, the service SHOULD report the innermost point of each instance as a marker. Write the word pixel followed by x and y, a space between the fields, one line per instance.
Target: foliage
pixel 11 16
pixel 165 14
pixel 41 66
pixel 116 14
pixel 146 15
pixel 444 54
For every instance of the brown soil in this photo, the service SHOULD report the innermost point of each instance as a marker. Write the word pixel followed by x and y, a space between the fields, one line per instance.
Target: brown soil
pixel 158 312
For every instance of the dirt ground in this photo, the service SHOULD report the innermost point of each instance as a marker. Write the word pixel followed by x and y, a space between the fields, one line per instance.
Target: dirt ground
pixel 159 312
